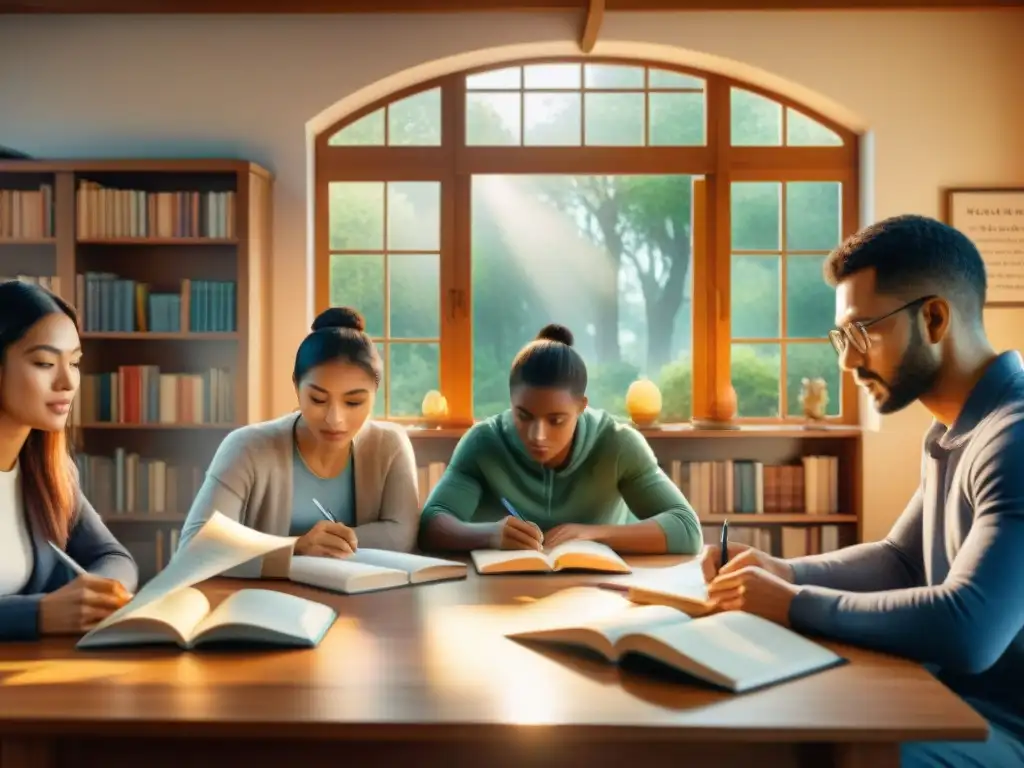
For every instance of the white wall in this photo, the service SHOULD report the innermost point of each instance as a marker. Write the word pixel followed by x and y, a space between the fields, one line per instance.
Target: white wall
pixel 940 91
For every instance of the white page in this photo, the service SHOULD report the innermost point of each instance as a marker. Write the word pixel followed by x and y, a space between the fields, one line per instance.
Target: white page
pixel 403 561
pixel 685 580
pixel 220 545
pixel 277 612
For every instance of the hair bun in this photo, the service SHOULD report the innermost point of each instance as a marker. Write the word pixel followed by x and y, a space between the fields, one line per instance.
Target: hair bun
pixel 339 317
pixel 556 332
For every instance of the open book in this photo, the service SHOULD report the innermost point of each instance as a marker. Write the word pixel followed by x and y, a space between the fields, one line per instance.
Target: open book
pixel 681 587
pixel 573 555
pixel 249 616
pixel 372 569
pixel 733 650
pixel 167 601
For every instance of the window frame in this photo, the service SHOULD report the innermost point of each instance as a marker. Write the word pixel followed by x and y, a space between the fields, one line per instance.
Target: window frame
pixel 718 162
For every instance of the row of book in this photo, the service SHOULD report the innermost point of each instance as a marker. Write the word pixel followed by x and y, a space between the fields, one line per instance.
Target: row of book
pixel 125 483
pixel 752 487
pixel 109 303
pixel 142 394
pixel 26 214
pixel 110 212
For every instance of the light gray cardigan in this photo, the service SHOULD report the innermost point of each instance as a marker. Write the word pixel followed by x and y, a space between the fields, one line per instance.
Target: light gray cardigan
pixel 250 480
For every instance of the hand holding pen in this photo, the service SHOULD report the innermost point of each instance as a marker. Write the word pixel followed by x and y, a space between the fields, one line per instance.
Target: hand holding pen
pixel 516 533
pixel 328 538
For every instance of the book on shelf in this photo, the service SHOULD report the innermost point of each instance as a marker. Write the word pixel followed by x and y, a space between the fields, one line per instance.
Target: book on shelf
pixel 752 487
pixel 108 303
pixel 106 211
pixel 570 556
pixel 369 570
pixel 49 282
pixel 731 650
pixel 142 394
pixel 159 612
pixel 127 483
pixel 26 214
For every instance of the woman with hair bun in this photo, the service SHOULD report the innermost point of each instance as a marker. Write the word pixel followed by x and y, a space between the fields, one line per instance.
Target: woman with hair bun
pixel 273 475
pixel 551 469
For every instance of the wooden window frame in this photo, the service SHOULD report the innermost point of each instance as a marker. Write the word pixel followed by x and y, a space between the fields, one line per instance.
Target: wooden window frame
pixel 453 165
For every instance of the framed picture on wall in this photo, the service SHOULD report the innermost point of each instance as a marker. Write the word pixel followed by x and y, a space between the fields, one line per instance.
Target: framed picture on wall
pixel 994 220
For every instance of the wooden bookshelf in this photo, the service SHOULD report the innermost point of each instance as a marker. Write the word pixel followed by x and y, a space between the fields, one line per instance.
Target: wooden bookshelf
pixel 791 516
pixel 167 263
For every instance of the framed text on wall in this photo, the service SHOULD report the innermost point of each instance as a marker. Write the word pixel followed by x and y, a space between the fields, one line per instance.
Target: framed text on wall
pixel 994 220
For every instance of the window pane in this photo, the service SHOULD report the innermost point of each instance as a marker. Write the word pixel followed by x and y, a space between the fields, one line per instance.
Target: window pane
pixel 356 213
pixel 414 216
pixel 802 131
pixel 535 239
pixel 812 361
pixel 492 119
pixel 613 76
pixel 414 371
pixel 677 119
pixel 755 377
pixel 813 219
pixel 560 76
pixel 756 213
pixel 415 296
pixel 755 297
pixel 810 302
pixel 367 131
pixel 358 282
pixel 496 80
pixel 552 119
pixel 756 121
pixel 615 119
pixel 663 78
pixel 415 121
pixel 379 411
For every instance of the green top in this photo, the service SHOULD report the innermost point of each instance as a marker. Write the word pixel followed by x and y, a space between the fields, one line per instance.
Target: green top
pixel 612 478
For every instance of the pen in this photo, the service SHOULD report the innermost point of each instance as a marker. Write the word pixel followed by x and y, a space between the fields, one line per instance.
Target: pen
pixel 725 544
pixel 67 560
pixel 510 508
pixel 323 511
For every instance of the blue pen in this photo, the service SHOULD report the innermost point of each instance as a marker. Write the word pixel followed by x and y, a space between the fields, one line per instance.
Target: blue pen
pixel 510 508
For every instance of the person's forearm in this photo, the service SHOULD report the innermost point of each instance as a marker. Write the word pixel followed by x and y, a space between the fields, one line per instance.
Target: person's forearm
pixel 644 538
pixel 445 533
pixel 870 567
pixel 19 617
pixel 119 567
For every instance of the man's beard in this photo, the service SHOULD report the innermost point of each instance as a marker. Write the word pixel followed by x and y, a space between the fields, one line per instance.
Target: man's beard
pixel 915 376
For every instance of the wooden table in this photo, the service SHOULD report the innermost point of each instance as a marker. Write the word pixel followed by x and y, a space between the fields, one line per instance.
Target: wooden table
pixel 422 676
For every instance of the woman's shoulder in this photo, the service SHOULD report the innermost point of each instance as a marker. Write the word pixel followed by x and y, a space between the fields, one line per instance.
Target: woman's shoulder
pixel 259 437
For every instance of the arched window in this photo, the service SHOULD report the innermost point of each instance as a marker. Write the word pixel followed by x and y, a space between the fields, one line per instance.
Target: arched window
pixel 675 220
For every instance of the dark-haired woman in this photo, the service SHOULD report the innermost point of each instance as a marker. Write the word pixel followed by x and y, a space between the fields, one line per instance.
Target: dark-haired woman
pixel 40 499
pixel 550 470
pixel 272 476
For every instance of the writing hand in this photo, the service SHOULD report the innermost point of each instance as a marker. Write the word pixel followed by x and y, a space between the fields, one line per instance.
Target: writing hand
pixel 80 605
pixel 754 590
pixel 741 556
pixel 327 539
pixel 571 532
pixel 516 533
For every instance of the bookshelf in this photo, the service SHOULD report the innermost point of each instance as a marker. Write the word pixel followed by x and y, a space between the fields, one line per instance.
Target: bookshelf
pixel 785 489
pixel 167 263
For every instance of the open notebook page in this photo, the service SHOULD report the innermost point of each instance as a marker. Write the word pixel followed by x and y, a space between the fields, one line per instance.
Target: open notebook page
pixel 403 561
pixel 220 545
pixel 267 614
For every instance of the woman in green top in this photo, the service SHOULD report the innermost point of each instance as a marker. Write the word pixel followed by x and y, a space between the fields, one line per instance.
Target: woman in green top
pixel 568 471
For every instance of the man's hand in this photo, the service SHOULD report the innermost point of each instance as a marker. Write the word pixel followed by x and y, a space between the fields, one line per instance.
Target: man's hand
pixel 742 556
pixel 327 539
pixel 514 533
pixel 754 590
pixel 572 532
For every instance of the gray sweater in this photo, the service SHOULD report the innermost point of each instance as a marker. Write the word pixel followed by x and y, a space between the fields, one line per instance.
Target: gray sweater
pixel 946 587
pixel 250 480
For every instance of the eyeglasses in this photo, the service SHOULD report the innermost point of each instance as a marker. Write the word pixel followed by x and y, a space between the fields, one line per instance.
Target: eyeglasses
pixel 856 333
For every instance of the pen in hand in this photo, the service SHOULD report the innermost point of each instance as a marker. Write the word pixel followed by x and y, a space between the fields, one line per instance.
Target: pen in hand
pixel 511 510
pixel 724 544
pixel 323 511
pixel 67 560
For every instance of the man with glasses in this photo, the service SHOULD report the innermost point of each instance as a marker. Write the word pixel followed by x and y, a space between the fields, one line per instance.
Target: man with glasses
pixel 946 587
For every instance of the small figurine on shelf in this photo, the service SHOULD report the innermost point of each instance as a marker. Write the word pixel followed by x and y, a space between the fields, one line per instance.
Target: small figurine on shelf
pixel 643 402
pixel 814 399
pixel 434 409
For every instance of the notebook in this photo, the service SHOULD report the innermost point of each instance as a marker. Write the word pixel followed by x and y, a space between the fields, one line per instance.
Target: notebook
pixel 681 587
pixel 573 555
pixel 220 545
pixel 371 569
pixel 249 616
pixel 732 650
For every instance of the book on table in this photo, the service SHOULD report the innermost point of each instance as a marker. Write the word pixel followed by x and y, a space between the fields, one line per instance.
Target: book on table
pixel 731 650
pixel 570 556
pixel 680 586
pixel 369 570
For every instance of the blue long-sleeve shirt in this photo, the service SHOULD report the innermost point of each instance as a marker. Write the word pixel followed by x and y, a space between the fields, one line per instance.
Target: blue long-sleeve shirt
pixel 946 587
